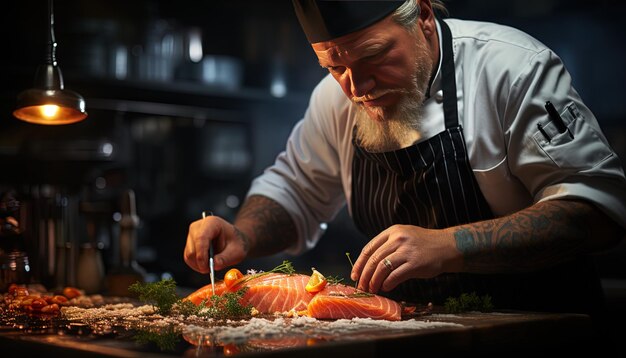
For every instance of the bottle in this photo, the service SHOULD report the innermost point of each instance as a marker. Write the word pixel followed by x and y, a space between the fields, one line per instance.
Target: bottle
pixel 128 271
pixel 90 273
pixel 14 263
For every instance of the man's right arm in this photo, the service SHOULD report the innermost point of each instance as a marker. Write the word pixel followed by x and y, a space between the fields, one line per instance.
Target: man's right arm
pixel 265 226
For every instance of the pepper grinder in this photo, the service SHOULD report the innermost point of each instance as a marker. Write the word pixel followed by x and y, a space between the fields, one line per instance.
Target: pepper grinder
pixel 129 271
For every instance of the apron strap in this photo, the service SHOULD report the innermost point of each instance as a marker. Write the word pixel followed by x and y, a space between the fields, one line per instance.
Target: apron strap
pixel 450 111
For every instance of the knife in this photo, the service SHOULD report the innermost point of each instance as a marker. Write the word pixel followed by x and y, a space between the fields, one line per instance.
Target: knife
pixel 211 266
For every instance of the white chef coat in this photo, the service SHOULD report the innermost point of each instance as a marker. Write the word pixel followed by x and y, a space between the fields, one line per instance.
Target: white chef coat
pixel 504 77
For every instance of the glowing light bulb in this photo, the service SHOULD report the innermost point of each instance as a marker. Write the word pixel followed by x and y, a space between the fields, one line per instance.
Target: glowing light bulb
pixel 49 110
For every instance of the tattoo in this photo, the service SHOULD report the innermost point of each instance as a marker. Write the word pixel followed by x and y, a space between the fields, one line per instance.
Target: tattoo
pixel 270 225
pixel 243 237
pixel 539 236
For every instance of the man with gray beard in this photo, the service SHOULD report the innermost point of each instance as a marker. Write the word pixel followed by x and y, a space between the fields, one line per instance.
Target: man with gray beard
pixel 438 136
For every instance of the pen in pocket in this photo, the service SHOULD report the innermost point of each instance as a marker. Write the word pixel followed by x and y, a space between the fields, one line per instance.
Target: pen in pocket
pixel 556 119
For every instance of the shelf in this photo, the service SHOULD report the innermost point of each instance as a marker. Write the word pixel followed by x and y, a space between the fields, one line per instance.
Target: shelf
pixel 177 92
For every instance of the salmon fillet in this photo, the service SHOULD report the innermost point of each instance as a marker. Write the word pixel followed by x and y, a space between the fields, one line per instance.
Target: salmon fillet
pixel 205 292
pixel 277 292
pixel 269 293
pixel 341 301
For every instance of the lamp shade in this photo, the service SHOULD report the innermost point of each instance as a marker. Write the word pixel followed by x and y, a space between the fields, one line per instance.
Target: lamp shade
pixel 48 102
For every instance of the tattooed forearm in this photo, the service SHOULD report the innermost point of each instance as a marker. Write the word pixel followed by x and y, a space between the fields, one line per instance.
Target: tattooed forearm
pixel 265 225
pixel 539 236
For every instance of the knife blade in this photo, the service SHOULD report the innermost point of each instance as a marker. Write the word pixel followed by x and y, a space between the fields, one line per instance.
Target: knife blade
pixel 211 266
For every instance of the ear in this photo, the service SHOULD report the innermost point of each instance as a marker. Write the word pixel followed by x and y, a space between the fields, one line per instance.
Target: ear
pixel 427 18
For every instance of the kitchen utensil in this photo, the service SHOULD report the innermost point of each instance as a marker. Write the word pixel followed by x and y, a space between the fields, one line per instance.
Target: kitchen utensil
pixel 129 271
pixel 211 266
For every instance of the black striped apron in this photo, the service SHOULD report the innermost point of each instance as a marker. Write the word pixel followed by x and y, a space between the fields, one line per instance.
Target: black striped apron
pixel 431 184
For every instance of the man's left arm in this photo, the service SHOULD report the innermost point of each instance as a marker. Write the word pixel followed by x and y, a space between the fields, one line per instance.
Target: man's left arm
pixel 542 235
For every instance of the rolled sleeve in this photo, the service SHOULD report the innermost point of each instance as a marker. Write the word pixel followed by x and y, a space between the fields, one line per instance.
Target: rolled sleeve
pixel 578 163
pixel 305 178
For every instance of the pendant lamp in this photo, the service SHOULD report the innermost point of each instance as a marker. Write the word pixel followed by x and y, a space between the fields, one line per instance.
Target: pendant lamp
pixel 48 102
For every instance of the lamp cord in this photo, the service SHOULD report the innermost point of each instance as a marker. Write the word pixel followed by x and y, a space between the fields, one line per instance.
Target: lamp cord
pixel 52 44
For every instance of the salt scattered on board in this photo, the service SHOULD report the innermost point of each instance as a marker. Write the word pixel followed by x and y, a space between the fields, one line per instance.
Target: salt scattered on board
pixel 207 330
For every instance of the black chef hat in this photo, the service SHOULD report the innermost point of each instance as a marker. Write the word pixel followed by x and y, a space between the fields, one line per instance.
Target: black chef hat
pixel 324 20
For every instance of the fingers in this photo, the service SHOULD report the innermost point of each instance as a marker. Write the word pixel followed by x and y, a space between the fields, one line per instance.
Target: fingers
pixel 391 276
pixel 369 269
pixel 386 275
pixel 228 247
pixel 231 255
pixel 201 233
pixel 365 255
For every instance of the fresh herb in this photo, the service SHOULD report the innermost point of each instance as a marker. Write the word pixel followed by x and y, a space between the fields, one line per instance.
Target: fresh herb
pixel 358 294
pixel 468 302
pixel 226 306
pixel 356 283
pixel 187 308
pixel 286 267
pixel 334 280
pixel 165 339
pixel 161 294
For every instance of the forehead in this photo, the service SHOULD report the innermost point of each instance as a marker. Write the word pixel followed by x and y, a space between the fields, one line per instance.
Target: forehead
pixel 355 44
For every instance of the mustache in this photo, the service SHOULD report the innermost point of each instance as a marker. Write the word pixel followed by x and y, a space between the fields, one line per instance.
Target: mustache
pixel 375 95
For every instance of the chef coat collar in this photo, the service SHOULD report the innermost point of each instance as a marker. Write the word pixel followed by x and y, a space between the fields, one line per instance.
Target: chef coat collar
pixel 435 81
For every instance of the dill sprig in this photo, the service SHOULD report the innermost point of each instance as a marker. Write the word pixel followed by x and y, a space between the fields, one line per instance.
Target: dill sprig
pixel 286 267
pixel 161 294
pixel 227 306
pixel 468 302
pixel 166 339
pixel 356 283
pixel 334 280
pixel 187 308
pixel 358 294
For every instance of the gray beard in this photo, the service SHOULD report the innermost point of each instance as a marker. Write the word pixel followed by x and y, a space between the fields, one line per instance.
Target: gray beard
pixel 396 127
pixel 395 130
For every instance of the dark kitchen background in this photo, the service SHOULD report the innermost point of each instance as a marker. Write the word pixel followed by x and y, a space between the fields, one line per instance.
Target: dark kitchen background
pixel 188 101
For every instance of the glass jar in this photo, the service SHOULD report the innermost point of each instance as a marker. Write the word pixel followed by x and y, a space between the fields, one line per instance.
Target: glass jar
pixel 14 268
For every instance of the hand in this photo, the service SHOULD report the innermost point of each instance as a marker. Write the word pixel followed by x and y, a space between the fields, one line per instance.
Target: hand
pixel 411 251
pixel 229 244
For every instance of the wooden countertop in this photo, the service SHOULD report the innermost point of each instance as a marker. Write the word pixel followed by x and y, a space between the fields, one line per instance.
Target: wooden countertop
pixel 485 334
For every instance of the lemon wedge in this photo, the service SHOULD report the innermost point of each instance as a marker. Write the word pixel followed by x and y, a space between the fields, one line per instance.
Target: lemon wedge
pixel 316 283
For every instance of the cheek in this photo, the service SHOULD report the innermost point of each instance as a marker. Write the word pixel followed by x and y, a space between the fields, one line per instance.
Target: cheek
pixel 394 76
pixel 345 84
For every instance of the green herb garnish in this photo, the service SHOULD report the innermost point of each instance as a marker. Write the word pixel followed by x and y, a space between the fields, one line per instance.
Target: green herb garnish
pixel 165 339
pixel 187 308
pixel 359 294
pixel 468 302
pixel 227 306
pixel 333 280
pixel 286 267
pixel 161 294
pixel 356 283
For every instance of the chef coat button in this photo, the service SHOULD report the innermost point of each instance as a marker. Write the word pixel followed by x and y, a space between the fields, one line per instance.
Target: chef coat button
pixel 439 96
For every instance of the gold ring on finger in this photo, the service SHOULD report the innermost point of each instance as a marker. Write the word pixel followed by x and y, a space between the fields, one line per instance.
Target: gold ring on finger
pixel 388 264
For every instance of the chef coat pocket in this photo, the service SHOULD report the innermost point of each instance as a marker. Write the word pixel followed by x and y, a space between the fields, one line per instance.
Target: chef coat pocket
pixel 585 150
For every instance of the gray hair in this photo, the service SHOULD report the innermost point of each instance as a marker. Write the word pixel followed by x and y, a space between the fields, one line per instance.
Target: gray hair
pixel 407 13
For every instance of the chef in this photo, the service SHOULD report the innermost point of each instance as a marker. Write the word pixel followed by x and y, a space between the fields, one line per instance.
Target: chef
pixel 462 151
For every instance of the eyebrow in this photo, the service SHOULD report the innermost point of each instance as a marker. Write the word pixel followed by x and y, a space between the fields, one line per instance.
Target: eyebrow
pixel 374 48
pixel 364 51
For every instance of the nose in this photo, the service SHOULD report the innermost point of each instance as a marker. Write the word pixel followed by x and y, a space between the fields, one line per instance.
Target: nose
pixel 361 83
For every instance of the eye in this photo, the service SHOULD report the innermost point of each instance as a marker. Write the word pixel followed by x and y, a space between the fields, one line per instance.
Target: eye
pixel 374 58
